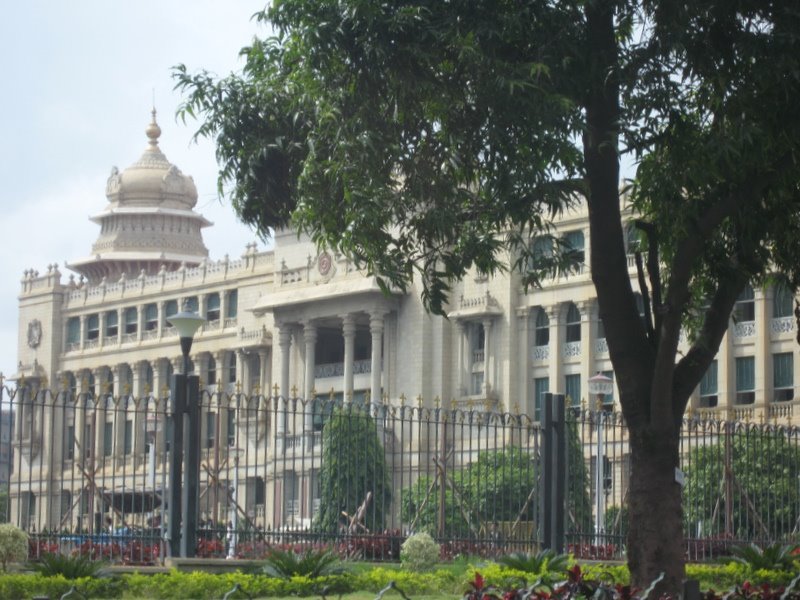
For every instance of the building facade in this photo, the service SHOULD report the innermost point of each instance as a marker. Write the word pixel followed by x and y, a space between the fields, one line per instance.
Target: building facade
pixel 296 322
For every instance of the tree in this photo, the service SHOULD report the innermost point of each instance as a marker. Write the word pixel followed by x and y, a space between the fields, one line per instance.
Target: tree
pixel 422 139
pixel 353 465
pixel 494 488
pixel 746 486
pixel 501 485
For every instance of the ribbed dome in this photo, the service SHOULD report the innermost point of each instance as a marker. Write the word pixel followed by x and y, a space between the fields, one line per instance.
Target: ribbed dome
pixel 151 180
pixel 148 224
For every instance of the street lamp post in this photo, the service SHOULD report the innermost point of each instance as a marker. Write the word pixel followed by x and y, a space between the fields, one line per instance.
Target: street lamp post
pixel 600 386
pixel 184 483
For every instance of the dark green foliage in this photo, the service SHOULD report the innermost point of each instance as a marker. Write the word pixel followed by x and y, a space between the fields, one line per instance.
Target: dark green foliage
pixel 775 557
pixel 353 465
pixel 579 500
pixel 616 518
pixel 546 560
pixel 763 482
pixel 308 563
pixel 493 488
pixel 70 567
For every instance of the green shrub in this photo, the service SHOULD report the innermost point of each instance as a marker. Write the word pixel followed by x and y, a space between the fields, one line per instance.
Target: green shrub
pixel 13 544
pixel 419 552
pixel 70 567
pixel 310 563
pixel 776 557
pixel 539 563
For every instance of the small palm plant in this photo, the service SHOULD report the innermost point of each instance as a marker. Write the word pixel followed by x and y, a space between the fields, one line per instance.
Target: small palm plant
pixel 309 563
pixel 70 567
pixel 779 557
pixel 539 563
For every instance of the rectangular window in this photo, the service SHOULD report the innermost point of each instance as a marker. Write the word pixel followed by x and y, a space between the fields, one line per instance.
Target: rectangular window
pixel 93 327
pixel 171 308
pixel 131 320
pixel 476 384
pixel 782 302
pixel 69 443
pixel 745 380
pixel 73 330
pixel 783 376
pixel 745 308
pixel 572 389
pixel 573 243
pixel 128 441
pixel 150 317
pixel 708 387
pixel 211 429
pixel 190 304
pixel 232 308
pixel 231 429
pixel 108 438
pixel 112 324
pixel 212 307
pixel 541 385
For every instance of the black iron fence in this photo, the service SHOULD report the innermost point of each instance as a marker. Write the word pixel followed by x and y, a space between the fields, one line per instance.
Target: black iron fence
pixel 87 473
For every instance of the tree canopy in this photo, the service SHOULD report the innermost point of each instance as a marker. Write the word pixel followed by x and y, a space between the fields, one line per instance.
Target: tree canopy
pixel 423 138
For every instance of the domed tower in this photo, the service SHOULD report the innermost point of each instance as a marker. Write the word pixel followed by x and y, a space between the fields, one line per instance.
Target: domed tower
pixel 148 222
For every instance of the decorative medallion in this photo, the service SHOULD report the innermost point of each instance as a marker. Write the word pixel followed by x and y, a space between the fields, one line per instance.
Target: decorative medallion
pixel 34 333
pixel 324 263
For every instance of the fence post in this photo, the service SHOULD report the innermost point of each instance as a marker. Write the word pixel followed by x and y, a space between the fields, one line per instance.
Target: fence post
pixel 554 473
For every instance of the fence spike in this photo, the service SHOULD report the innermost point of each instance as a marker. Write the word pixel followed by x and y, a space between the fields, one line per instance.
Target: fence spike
pixel 276 388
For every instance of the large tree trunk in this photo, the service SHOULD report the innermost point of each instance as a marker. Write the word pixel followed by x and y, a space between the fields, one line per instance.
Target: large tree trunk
pixel 655 538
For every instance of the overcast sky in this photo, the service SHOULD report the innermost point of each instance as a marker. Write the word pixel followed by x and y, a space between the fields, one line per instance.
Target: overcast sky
pixel 79 79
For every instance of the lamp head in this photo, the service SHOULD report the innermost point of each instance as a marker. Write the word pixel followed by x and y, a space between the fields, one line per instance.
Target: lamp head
pixel 187 322
pixel 601 385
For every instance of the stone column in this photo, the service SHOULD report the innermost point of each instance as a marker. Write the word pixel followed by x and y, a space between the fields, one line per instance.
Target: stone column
pixel 310 340
pixel 349 335
pixel 376 331
pixel 159 382
pixel 101 319
pixel 587 310
pixel 139 407
pixel 763 361
pixel 488 378
pixel 223 308
pixel 100 417
pixel 120 325
pixel 120 410
pixel 264 377
pixel 139 321
pixel 285 343
pixel 161 319
pixel 462 382
pixel 83 332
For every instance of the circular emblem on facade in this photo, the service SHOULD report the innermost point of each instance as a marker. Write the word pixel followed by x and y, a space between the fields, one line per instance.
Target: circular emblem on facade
pixel 324 263
pixel 34 333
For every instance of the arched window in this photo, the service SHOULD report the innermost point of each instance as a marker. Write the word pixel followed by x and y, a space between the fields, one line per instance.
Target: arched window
pixel 542 328
pixel 573 323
